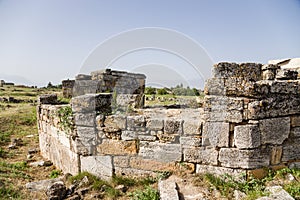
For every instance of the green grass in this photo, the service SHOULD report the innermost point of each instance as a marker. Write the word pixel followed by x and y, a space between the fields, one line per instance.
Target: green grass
pixel 55 173
pixel 148 193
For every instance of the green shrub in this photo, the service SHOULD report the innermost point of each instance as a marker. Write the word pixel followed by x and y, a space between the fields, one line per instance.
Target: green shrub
pixel 148 193
pixel 55 173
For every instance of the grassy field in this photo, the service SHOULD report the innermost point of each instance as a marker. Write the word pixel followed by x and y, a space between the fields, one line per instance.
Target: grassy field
pixel 18 121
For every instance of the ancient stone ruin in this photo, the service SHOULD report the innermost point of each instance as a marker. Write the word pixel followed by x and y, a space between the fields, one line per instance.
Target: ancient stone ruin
pixel 250 120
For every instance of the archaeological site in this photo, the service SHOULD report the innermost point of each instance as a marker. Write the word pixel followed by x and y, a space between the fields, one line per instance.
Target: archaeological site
pixel 250 120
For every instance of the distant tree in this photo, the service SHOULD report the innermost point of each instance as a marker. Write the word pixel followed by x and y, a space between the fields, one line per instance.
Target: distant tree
pixel 150 90
pixel 50 85
pixel 162 91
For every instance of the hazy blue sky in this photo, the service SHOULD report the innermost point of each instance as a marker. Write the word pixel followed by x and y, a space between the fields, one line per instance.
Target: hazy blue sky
pixel 44 41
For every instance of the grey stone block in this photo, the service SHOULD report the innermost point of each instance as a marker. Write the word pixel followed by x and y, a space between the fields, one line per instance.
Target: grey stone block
pixel 155 124
pixel 160 151
pixel 100 166
pixel 246 136
pixel 190 141
pixel 85 119
pixel 201 155
pixel 245 159
pixel 192 127
pixel 100 103
pixel 173 127
pixel 274 131
pixel 215 134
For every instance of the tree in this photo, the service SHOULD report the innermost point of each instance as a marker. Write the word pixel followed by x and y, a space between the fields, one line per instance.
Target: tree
pixel 49 85
pixel 162 91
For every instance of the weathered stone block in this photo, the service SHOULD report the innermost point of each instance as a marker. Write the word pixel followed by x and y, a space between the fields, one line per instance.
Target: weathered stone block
pixel 47 99
pixel 129 135
pixel 116 121
pixel 85 119
pixel 82 87
pixel 246 136
pixel 117 147
pixel 151 165
pixel 201 155
pixel 274 131
pixel 134 173
pixel 100 166
pixel 88 135
pixel 295 121
pixel 147 137
pixel 190 141
pixel 220 171
pixel 215 134
pixel 173 127
pixel 168 190
pixel 121 161
pixel 160 152
pixel 134 122
pixel 291 151
pixel 155 124
pixel 100 103
pixel 295 132
pixel 245 159
pixel 192 127
pixel 215 86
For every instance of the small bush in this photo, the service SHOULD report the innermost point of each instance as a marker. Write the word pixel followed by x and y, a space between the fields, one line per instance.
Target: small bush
pixel 148 193
pixel 55 173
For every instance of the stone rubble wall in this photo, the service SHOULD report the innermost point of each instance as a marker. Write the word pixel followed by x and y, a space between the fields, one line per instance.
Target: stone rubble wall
pixel 250 120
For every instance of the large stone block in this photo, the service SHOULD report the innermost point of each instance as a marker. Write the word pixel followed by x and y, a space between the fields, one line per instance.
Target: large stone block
pixel 215 86
pixel 85 119
pixel 134 173
pixel 276 153
pixel 136 122
pixel 61 156
pixel 100 103
pixel 220 171
pixel 295 121
pixel 192 127
pixel 295 132
pixel 82 87
pixel 246 136
pixel 291 151
pixel 173 127
pixel 155 124
pixel 121 161
pixel 245 159
pixel 151 165
pixel 117 147
pixel 160 152
pixel 215 134
pixel 275 130
pixel 115 121
pixel 201 155
pixel 190 141
pixel 100 166
pixel 47 99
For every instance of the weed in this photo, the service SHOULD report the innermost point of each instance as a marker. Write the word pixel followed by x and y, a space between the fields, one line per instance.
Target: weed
pixel 9 192
pixel 148 193
pixel 66 118
pixel 55 173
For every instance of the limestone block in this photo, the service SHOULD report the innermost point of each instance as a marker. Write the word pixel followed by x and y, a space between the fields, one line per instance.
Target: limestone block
pixel 220 171
pixel 201 155
pixel 134 173
pixel 151 165
pixel 173 127
pixel 286 74
pixel 192 127
pixel 246 136
pixel 155 124
pixel 295 132
pixel 295 121
pixel 136 122
pixel 87 134
pixel 121 161
pixel 215 86
pixel 245 159
pixel 276 153
pixel 160 151
pixel 147 138
pixel 117 147
pixel 85 119
pixel 130 100
pixel 129 135
pixel 249 71
pixel 47 99
pixel 116 121
pixel 190 141
pixel 168 190
pixel 275 130
pixel 215 134
pixel 100 166
pixel 291 151
pixel 277 192
pixel 100 103
pixel 82 87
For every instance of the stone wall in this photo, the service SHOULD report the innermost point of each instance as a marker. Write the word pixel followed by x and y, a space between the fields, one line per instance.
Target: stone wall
pixel 67 88
pixel 250 120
